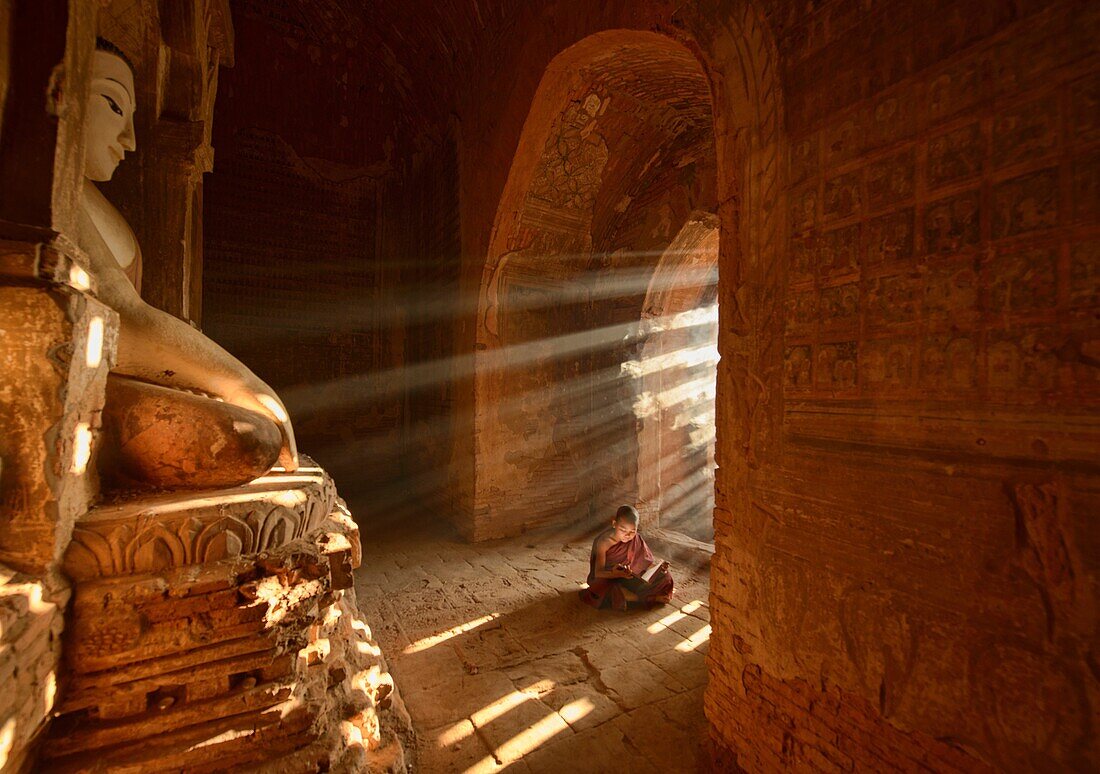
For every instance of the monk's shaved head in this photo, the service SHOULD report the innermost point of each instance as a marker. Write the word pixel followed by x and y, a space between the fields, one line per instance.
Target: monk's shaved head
pixel 628 513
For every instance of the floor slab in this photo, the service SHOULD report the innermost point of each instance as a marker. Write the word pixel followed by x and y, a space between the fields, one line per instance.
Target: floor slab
pixel 502 668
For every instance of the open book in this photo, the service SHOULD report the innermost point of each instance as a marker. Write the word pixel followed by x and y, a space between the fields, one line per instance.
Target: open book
pixel 652 570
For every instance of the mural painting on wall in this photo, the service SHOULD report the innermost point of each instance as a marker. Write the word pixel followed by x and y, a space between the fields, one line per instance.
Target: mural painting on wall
pixel 574 158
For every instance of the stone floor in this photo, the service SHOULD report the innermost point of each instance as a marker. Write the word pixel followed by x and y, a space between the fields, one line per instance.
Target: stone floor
pixel 502 668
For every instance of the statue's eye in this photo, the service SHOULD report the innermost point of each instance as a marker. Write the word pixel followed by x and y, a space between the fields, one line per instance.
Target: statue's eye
pixel 113 104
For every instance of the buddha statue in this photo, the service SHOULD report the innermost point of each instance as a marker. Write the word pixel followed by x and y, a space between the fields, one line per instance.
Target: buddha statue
pixel 181 412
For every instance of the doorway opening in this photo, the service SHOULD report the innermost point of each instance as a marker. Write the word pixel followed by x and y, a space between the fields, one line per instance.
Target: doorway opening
pixel 597 331
pixel 676 374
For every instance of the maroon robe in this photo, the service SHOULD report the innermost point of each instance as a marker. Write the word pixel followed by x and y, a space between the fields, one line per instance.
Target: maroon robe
pixel 608 592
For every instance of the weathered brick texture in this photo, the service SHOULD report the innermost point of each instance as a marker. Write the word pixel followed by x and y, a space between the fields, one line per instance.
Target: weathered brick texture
pixel 228 663
pixel 907 336
pixel 30 650
pixel 935 385
pixel 906 194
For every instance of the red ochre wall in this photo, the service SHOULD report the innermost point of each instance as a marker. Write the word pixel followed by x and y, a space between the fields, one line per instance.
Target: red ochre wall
pixel 905 572
pixel 619 171
pixel 927 549
pixel 906 561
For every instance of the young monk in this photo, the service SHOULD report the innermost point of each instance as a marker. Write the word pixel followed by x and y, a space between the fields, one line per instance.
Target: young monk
pixel 619 556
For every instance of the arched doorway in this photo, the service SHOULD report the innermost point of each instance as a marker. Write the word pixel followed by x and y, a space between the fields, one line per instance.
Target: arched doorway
pixel 676 372
pixel 615 170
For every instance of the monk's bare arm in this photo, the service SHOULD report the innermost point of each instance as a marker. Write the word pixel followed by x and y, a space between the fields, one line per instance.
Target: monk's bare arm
pixel 602 570
pixel 156 347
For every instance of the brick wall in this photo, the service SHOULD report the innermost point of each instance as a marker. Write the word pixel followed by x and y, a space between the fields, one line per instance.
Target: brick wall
pixel 293 288
pixel 30 651
pixel 908 341
pixel 293 282
pixel 419 237
pixel 905 559
pixel 331 240
pixel 616 156
pixel 905 571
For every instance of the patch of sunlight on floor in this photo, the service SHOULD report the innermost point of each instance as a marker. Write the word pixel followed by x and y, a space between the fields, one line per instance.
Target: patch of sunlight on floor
pixel 695 640
pixel 536 735
pixel 491 712
pixel 667 621
pixel 454 631
pixel 454 733
pixel 575 710
pixel 676 615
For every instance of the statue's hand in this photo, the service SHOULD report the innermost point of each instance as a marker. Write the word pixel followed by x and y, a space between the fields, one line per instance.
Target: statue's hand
pixel 288 456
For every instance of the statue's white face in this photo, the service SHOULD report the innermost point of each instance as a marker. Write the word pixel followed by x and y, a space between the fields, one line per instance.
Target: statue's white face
pixel 109 122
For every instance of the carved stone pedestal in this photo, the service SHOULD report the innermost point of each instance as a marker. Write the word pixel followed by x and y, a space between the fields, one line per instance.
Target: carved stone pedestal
pixel 216 630
pixel 56 346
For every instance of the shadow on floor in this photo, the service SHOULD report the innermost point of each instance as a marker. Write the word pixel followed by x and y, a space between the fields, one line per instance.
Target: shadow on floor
pixel 500 664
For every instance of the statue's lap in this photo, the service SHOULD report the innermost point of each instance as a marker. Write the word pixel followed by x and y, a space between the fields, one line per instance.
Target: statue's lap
pixel 170 439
